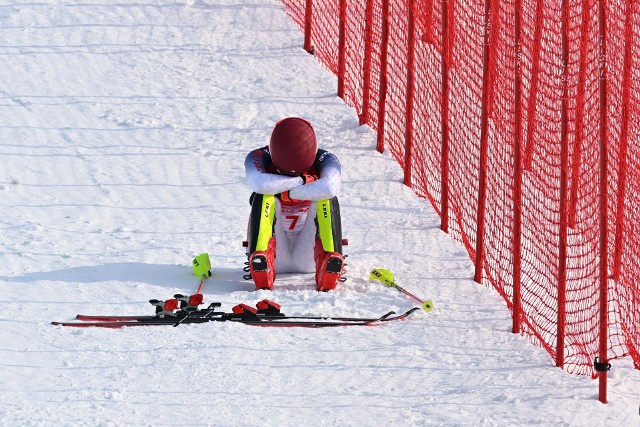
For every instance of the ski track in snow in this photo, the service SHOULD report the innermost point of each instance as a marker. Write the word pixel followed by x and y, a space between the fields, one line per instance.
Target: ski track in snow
pixel 123 131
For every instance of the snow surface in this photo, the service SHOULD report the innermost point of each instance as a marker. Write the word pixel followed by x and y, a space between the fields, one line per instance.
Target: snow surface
pixel 123 130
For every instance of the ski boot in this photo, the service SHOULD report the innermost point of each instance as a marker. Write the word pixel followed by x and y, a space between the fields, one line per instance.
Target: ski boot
pixel 262 266
pixel 328 268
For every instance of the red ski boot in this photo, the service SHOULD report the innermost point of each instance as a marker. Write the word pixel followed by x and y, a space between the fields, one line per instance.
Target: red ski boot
pixel 262 266
pixel 328 268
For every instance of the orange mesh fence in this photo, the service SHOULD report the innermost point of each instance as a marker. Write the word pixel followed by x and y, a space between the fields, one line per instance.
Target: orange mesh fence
pixel 519 121
pixel 324 33
pixel 423 162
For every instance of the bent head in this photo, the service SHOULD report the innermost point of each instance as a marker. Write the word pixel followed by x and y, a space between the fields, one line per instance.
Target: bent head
pixel 293 146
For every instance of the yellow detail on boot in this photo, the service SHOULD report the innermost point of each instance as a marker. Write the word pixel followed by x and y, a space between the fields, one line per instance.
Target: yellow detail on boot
pixel 265 229
pixel 325 226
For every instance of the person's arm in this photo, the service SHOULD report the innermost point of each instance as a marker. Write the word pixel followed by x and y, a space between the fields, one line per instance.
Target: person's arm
pixel 262 182
pixel 328 184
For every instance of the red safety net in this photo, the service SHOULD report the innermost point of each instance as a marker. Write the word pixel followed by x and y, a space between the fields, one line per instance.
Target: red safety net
pixel 516 176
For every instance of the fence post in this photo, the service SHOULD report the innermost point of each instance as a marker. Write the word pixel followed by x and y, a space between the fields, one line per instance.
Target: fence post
pixel 366 84
pixel 341 47
pixel 484 137
pixel 564 160
pixel 517 175
pixel 444 118
pixel 308 16
pixel 604 196
pixel 408 135
pixel 383 76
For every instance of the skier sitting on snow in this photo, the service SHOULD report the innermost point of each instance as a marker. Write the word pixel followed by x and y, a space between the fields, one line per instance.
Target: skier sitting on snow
pixel 294 203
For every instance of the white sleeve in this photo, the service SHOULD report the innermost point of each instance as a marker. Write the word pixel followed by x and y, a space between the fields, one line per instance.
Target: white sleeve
pixel 327 186
pixel 262 182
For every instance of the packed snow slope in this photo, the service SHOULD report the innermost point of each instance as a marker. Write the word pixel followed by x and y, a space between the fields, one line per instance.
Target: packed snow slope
pixel 123 130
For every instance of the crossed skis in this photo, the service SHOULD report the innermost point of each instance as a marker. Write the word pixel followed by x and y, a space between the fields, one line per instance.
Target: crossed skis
pixel 184 309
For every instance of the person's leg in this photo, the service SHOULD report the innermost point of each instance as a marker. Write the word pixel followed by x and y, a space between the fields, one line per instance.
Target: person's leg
pixel 328 245
pixel 261 248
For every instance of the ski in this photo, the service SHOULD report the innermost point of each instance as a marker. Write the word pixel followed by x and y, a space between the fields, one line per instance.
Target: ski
pixel 90 318
pixel 257 320
pixel 125 324
pixel 115 318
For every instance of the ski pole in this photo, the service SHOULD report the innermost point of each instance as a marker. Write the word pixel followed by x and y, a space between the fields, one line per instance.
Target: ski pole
pixel 202 269
pixel 386 278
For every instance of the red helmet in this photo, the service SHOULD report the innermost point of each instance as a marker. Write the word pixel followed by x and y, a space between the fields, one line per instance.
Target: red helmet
pixel 293 146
